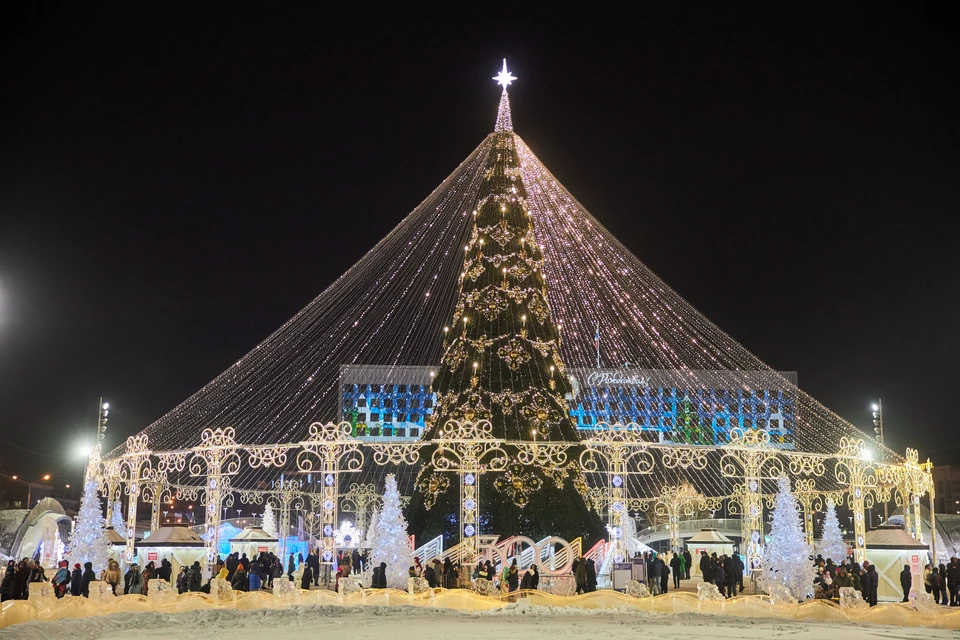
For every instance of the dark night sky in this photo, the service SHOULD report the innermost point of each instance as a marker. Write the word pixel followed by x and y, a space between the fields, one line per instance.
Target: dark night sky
pixel 176 182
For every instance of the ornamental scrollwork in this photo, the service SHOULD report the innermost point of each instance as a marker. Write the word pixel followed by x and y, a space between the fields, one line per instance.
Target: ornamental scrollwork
pixel 684 458
pixel 806 465
pixel 396 454
pixel 269 456
pixel 617 445
pixel 543 455
pixel 251 497
pixel 330 446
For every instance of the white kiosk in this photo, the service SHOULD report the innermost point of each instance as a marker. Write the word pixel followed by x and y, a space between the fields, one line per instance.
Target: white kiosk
pixel 711 541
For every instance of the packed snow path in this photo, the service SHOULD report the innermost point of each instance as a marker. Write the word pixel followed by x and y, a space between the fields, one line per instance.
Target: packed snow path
pixel 416 623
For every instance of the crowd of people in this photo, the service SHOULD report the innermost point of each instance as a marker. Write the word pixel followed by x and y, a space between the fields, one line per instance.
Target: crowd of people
pixel 262 570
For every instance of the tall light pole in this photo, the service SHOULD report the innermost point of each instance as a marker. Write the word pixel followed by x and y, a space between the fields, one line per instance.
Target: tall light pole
pixel 878 429
pixel 102 413
pixel 45 476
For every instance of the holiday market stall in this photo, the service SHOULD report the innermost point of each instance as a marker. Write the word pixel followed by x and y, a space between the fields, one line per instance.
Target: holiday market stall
pixel 253 541
pixel 890 549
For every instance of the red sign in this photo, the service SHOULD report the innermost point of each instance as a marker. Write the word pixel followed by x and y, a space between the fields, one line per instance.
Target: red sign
pixel 152 555
pixel 262 549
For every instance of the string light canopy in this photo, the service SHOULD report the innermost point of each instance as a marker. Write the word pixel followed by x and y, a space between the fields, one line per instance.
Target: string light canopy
pixel 398 307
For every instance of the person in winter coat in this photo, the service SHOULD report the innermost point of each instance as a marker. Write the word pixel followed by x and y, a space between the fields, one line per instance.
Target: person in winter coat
pixel 9 585
pixel 112 575
pixel 194 577
pixel 429 575
pixel 239 582
pixel 591 576
pixel 255 577
pixel 953 581
pixel 513 577
pixel 720 578
pixel 870 583
pixel 88 577
pixel 133 581
pixel 76 581
pixel 163 573
pixel 182 586
pixel 581 576
pixel 676 568
pixel 291 567
pixel 936 587
pixel 906 581
pixel 738 572
pixel 449 574
pixel 313 561
pixel 664 575
pixel 382 576
pixel 356 561
pixel 61 581
pixel 306 580
pixel 688 564
pixel 705 572
pixel 149 572
pixel 655 576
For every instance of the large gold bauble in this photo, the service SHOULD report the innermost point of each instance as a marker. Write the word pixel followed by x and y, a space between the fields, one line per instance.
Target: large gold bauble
pixel 434 485
pixel 518 483
pixel 541 414
pixel 470 414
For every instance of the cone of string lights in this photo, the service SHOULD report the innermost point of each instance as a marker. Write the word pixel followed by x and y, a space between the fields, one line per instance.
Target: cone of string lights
pixel 540 327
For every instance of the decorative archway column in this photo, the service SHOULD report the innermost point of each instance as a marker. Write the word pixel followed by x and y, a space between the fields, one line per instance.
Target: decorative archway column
pixel 216 460
pixel 330 451
pixel 853 469
pixel 617 447
pixel 750 456
pixel 136 463
pixel 470 450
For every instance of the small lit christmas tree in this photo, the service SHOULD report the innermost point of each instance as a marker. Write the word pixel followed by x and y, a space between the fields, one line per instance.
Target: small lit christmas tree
pixel 118 524
pixel 391 540
pixel 786 559
pixel 88 542
pixel 371 533
pixel 269 523
pixel 832 545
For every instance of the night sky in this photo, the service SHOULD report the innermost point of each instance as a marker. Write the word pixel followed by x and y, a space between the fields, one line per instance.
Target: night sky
pixel 177 180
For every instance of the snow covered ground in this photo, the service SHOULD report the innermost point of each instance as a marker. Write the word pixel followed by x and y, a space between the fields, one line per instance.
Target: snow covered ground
pixel 417 623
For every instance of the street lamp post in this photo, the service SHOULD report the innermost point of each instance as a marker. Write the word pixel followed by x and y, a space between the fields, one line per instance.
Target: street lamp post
pixel 102 413
pixel 46 476
pixel 878 429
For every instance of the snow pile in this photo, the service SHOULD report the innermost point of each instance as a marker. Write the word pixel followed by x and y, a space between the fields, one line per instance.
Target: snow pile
pixel 519 620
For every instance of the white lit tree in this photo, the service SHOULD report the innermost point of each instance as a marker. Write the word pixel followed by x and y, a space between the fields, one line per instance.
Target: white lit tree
pixel 269 523
pixel 786 559
pixel 118 524
pixel 832 545
pixel 371 533
pixel 391 542
pixel 88 542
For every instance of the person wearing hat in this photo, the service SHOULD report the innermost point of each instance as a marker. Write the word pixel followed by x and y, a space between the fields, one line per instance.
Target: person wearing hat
pixel 61 580
pixel 76 581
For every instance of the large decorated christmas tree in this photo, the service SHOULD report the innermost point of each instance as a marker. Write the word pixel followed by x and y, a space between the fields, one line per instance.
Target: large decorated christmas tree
pixel 501 363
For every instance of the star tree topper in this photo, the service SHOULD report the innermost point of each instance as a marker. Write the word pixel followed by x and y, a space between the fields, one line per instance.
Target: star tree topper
pixel 504 78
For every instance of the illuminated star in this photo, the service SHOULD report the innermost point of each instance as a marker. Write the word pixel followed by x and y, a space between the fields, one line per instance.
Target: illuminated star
pixel 504 77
